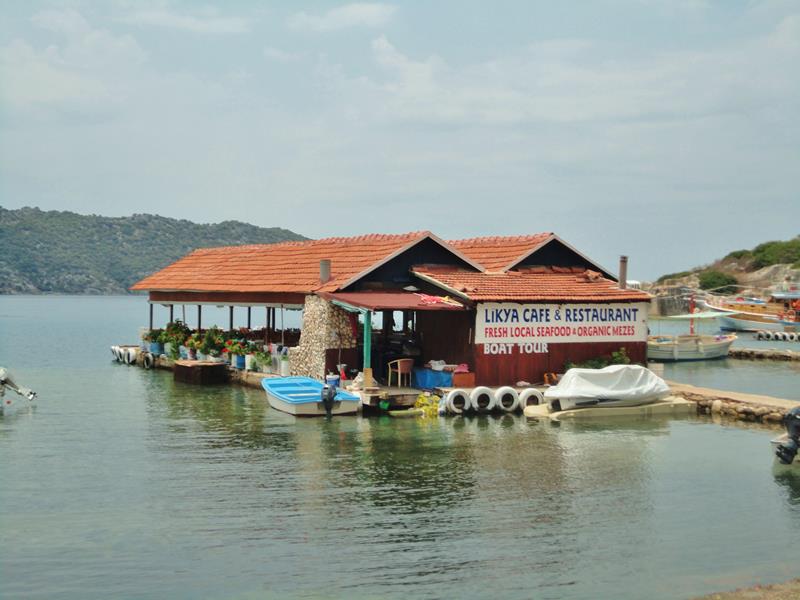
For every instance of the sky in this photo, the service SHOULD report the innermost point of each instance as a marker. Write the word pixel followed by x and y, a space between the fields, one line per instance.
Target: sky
pixel 665 130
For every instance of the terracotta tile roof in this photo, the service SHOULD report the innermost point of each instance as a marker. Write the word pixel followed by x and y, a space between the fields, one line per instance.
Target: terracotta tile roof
pixel 497 253
pixel 537 284
pixel 283 267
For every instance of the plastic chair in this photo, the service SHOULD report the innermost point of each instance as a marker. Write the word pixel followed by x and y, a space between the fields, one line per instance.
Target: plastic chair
pixel 402 367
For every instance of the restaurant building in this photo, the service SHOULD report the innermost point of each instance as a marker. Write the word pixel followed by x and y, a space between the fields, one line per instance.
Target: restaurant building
pixel 510 308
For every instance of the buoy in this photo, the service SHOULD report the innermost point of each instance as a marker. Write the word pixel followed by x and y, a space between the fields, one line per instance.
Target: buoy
pixel 507 399
pixel 457 401
pixel 114 352
pixel 779 335
pixel 791 336
pixel 760 335
pixel 482 399
pixel 530 396
pixel 148 360
pixel 768 335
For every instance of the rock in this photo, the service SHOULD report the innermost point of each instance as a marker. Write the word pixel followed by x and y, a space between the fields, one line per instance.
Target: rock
pixel 716 407
pixel 773 417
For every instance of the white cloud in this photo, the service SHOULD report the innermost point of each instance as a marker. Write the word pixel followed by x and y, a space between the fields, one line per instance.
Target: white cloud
pixel 208 22
pixel 278 55
pixel 570 81
pixel 85 71
pixel 68 21
pixel 343 17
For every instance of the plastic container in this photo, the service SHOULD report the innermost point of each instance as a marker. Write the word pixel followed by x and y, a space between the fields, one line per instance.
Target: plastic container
pixel 157 348
pixel 332 380
pixel 238 361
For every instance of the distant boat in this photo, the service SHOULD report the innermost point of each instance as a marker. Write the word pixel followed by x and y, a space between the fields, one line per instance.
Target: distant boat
pixel 690 346
pixel 302 397
pixel 750 322
pixel 614 386
pixel 778 313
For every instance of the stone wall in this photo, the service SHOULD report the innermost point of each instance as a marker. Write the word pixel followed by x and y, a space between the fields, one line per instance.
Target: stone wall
pixel 770 354
pixel 734 409
pixel 325 326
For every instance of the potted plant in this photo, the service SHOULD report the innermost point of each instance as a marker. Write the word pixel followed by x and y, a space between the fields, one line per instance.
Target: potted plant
pixel 236 350
pixel 153 339
pixel 250 350
pixel 212 344
pixel 192 343
pixel 263 361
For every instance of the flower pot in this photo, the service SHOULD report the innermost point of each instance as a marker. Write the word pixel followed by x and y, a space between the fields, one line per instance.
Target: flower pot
pixel 266 368
pixel 183 352
pixel 167 349
pixel 238 361
pixel 249 360
pixel 284 368
pixel 157 348
pixel 191 354
pixel 201 356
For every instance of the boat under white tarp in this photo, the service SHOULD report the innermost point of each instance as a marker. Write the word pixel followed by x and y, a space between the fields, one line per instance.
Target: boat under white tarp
pixel 616 385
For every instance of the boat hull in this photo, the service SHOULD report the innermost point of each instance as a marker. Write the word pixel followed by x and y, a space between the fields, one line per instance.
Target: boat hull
pixel 754 323
pixel 691 347
pixel 313 409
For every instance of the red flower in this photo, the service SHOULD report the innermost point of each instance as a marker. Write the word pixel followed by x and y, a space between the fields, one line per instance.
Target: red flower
pixel 229 342
pixel 224 350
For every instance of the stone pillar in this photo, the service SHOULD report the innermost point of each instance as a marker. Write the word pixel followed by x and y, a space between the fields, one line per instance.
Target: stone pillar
pixel 325 327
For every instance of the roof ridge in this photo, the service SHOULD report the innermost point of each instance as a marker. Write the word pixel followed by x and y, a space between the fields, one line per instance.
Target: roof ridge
pixel 504 238
pixel 368 237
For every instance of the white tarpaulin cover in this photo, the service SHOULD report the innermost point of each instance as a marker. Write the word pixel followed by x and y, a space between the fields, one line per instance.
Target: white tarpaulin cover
pixel 620 382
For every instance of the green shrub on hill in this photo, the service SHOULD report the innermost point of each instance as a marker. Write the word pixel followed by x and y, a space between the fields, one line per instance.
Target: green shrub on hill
pixel 718 281
pixel 68 253
pixel 774 253
pixel 678 275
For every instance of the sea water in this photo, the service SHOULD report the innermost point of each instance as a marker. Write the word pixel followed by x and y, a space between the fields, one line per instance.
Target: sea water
pixel 121 483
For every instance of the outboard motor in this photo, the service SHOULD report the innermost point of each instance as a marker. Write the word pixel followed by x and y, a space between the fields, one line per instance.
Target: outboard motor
pixel 328 395
pixel 787 450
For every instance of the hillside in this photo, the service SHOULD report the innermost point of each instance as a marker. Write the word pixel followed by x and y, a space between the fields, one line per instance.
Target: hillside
pixel 761 267
pixel 68 253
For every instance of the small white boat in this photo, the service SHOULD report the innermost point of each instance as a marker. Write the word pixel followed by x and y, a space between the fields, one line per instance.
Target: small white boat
pixel 688 347
pixel 302 397
pixel 691 346
pixel 8 403
pixel 613 386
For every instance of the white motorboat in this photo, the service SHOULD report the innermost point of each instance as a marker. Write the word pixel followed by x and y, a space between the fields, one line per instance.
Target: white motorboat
pixel 302 397
pixel 613 386
pixel 690 346
pixel 749 322
pixel 7 403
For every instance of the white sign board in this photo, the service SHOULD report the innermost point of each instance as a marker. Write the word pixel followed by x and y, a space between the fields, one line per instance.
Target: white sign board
pixel 505 323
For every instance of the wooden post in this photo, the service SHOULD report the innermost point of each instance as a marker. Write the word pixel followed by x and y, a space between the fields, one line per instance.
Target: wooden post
pixel 151 316
pixel 171 313
pixel 368 349
pixel 199 317
pixel 249 313
pixel 230 318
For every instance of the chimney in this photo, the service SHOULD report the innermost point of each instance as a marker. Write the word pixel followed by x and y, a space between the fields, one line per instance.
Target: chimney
pixel 623 272
pixel 325 270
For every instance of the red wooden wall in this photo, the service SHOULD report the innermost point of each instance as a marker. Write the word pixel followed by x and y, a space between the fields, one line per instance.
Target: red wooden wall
pixel 507 369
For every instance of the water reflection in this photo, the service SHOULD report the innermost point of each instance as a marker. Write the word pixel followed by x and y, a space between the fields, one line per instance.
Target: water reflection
pixel 788 479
